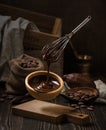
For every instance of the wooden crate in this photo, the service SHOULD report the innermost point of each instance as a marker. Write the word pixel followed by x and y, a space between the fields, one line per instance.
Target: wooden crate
pixel 50 30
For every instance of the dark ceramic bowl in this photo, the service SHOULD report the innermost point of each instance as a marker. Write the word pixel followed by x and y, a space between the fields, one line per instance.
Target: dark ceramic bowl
pixel 86 95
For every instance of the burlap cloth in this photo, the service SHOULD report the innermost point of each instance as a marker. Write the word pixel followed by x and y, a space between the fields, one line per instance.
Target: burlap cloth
pixel 19 68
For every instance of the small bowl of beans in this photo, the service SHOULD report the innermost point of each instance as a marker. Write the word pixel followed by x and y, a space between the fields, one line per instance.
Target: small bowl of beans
pixel 84 95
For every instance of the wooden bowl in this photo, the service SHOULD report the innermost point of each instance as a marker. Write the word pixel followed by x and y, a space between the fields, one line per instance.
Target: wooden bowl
pixel 43 95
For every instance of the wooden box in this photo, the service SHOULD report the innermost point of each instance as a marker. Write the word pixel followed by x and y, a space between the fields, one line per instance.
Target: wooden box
pixel 50 30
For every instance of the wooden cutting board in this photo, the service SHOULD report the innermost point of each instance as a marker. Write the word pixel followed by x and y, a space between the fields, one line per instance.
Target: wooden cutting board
pixel 45 111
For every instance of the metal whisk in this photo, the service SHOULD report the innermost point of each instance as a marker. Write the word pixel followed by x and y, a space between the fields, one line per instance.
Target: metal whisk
pixel 52 52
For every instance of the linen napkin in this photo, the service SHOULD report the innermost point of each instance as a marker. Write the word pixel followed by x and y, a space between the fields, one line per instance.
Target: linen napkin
pixel 101 86
pixel 11 41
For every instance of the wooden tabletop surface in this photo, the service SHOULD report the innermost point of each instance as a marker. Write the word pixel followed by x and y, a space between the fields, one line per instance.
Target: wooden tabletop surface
pixel 10 121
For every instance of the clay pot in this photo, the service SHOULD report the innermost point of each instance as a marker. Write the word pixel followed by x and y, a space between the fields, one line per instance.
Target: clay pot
pixel 44 95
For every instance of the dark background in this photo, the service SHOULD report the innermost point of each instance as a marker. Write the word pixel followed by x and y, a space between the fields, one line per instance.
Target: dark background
pixel 89 40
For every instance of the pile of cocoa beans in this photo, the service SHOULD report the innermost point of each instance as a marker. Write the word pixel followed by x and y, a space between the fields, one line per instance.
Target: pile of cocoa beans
pixel 27 62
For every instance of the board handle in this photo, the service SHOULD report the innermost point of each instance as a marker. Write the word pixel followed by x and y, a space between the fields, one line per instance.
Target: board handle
pixel 78 118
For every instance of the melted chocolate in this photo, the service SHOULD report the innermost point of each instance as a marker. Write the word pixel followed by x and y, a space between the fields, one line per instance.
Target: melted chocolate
pixel 46 83
pixel 42 83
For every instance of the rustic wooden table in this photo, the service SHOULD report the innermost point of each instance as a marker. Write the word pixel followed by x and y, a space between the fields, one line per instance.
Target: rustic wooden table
pixel 9 121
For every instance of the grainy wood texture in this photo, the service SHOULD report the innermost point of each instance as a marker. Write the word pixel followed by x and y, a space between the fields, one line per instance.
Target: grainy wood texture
pixel 97 119
pixel 9 121
pixel 51 112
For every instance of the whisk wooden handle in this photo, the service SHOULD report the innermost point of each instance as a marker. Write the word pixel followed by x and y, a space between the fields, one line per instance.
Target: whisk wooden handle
pixel 80 26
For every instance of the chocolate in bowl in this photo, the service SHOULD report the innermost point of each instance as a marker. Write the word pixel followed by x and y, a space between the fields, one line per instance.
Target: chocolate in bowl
pixel 44 95
pixel 43 83
pixel 87 95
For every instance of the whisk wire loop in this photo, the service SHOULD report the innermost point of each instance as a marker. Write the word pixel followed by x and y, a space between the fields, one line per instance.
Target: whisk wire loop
pixel 52 52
